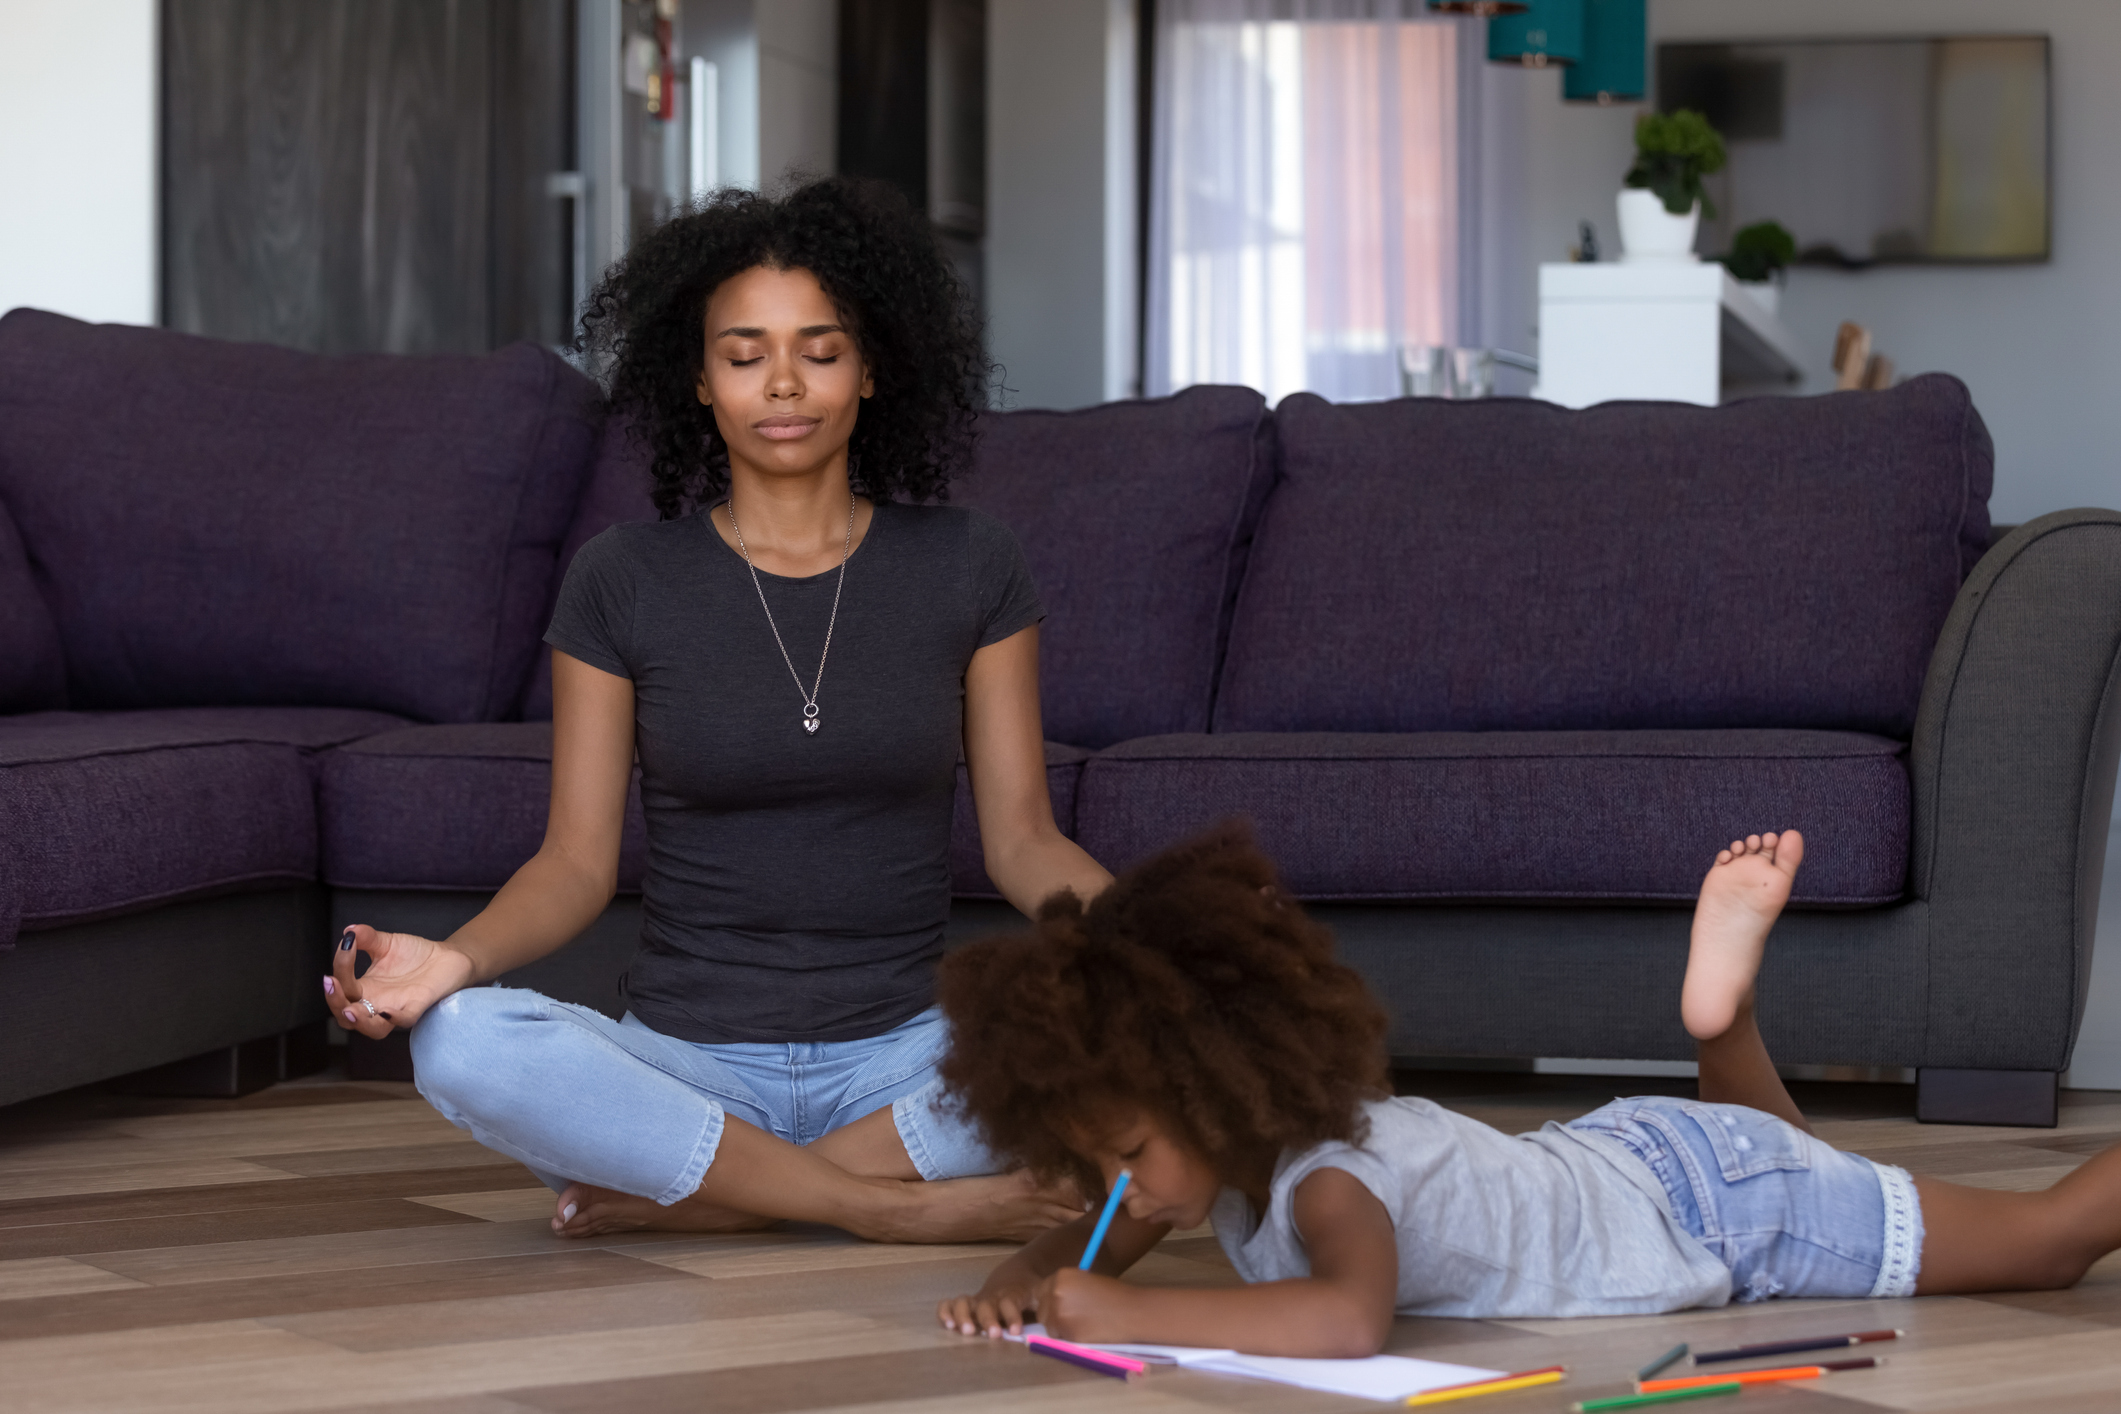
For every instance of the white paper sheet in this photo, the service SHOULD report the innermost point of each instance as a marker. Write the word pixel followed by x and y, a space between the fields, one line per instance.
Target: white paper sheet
pixel 1378 1377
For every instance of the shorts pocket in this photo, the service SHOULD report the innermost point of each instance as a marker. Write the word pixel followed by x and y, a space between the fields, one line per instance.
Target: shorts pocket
pixel 1747 1143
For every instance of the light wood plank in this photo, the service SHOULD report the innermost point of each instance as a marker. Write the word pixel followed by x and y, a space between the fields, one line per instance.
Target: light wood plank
pixel 56 1276
pixel 498 1205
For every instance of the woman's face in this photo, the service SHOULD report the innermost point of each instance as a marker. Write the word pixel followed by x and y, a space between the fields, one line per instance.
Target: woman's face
pixel 781 373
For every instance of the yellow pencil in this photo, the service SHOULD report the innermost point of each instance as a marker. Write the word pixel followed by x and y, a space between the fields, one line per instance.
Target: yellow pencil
pixel 1506 1383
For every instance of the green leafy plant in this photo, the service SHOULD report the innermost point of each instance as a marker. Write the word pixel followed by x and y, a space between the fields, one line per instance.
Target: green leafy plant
pixel 1673 152
pixel 1759 250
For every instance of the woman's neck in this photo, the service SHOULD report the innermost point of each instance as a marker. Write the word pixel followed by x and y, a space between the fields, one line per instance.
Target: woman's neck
pixel 794 525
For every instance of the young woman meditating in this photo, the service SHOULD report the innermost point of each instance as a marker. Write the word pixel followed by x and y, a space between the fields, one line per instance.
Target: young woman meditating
pixel 796 653
pixel 1191 1027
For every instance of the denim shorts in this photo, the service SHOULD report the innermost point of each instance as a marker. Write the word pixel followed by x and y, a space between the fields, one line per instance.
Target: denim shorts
pixel 1789 1214
pixel 576 1096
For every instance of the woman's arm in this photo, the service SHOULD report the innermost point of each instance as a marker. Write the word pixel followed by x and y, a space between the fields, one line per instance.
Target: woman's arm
pixel 1009 1291
pixel 1341 1311
pixel 548 902
pixel 1028 857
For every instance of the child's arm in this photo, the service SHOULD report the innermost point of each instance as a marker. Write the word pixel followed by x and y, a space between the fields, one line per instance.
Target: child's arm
pixel 1343 1309
pixel 1007 1295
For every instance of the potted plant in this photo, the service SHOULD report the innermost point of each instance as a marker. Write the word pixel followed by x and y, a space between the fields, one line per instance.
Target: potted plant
pixel 1661 199
pixel 1759 253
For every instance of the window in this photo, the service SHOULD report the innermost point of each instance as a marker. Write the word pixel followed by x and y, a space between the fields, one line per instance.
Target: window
pixel 1316 164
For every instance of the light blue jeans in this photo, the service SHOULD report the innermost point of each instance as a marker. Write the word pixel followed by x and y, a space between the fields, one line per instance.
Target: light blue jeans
pixel 1788 1213
pixel 578 1097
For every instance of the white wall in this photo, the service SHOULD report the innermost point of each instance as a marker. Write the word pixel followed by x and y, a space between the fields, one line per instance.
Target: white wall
pixel 78 158
pixel 2035 343
pixel 1061 232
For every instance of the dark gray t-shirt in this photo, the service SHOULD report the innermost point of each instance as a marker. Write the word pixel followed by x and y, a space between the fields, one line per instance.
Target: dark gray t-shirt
pixel 797 883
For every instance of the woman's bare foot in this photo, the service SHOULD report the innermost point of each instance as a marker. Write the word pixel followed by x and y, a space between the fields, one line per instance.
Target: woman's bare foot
pixel 585 1211
pixel 1003 1207
pixel 1741 898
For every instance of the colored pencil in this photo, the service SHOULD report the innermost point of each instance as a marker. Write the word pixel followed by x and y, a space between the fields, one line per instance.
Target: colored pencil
pixel 1670 1396
pixel 1102 1367
pixel 1110 1357
pixel 1662 1362
pixel 1760 1377
pixel 1524 1379
pixel 1793 1347
pixel 1104 1220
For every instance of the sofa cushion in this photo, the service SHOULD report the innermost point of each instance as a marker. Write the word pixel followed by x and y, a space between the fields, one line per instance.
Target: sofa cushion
pixel 1426 565
pixel 235 523
pixel 968 862
pixel 617 494
pixel 1512 815
pixel 1134 517
pixel 448 807
pixel 32 672
pixel 112 813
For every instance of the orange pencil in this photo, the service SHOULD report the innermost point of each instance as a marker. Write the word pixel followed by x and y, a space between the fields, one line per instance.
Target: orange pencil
pixel 1758 1377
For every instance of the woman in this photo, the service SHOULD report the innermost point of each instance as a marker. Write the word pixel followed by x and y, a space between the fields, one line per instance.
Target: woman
pixel 796 667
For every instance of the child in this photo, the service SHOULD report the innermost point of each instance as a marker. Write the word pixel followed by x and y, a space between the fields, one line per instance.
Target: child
pixel 1192 1026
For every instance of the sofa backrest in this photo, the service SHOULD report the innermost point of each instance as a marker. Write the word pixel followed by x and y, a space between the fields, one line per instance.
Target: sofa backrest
pixel 1135 517
pixel 1507 565
pixel 32 672
pixel 232 524
pixel 617 493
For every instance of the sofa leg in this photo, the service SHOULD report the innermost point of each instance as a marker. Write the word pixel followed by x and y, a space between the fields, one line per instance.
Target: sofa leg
pixel 2023 1098
pixel 232 1071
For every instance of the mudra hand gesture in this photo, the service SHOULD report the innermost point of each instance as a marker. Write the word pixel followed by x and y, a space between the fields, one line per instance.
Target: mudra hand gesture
pixel 406 974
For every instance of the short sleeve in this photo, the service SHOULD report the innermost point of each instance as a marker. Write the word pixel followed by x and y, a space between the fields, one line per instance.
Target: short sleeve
pixel 593 618
pixel 1004 597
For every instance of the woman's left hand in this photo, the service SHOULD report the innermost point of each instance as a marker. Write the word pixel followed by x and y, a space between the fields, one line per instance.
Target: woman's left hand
pixel 1083 1306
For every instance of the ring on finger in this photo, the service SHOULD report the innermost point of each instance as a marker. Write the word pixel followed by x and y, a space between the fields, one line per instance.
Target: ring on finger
pixel 369 1004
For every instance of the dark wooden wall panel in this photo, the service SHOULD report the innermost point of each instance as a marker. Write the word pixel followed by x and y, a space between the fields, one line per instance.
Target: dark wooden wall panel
pixel 332 177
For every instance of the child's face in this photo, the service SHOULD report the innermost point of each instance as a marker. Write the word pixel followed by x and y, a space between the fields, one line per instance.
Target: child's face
pixel 1172 1184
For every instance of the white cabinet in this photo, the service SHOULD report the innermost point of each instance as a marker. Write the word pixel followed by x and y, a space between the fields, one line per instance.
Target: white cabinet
pixel 1678 332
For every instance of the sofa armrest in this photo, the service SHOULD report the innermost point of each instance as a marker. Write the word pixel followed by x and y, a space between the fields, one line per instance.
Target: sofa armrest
pixel 2013 764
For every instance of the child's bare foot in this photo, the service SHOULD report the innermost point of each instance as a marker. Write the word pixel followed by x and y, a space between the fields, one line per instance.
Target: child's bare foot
pixel 1740 900
pixel 585 1211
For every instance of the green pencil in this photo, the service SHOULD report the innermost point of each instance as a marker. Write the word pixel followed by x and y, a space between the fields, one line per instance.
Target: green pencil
pixel 1636 1401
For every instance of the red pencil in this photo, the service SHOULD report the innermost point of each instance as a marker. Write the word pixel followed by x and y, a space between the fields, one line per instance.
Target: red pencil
pixel 1757 1377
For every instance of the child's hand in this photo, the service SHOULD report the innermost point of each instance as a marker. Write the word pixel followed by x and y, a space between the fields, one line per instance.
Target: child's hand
pixel 1000 1305
pixel 1079 1305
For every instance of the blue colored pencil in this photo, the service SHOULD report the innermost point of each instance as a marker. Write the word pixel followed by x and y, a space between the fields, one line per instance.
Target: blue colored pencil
pixel 1104 1220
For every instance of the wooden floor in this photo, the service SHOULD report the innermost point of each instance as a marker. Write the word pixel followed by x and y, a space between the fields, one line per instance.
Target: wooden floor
pixel 326 1245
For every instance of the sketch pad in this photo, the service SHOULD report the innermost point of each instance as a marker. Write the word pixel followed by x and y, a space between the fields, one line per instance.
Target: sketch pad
pixel 1378 1377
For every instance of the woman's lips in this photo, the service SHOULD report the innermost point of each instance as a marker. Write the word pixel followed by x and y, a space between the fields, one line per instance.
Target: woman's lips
pixel 785 429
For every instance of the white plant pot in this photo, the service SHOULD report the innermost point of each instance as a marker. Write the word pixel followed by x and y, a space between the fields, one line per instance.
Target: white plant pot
pixel 1650 234
pixel 1766 291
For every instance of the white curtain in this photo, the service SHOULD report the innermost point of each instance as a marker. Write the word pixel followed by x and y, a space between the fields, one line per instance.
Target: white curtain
pixel 1324 190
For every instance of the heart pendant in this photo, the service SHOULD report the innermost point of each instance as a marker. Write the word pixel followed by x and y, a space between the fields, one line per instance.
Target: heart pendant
pixel 810 724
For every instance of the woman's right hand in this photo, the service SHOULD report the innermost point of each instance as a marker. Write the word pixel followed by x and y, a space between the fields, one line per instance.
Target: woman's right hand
pixel 406 975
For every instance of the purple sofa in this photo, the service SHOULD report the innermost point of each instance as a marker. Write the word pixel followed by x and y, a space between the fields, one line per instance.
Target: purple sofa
pixel 1491 679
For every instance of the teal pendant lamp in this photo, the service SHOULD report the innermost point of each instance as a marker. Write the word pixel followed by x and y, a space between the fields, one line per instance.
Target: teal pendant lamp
pixel 1548 32
pixel 1613 69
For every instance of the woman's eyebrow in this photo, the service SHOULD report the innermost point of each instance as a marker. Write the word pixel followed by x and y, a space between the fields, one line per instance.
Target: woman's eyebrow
pixel 808 331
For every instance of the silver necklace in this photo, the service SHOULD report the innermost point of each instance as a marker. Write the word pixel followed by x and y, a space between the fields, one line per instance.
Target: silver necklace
pixel 846 551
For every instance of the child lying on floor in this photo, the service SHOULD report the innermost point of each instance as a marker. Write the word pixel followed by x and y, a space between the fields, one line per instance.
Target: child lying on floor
pixel 1192 1026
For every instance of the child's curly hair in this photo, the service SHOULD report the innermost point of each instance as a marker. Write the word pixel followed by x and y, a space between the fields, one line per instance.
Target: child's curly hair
pixel 1192 987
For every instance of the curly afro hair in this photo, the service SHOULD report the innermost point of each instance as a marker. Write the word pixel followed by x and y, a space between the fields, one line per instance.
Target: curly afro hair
pixel 1192 987
pixel 879 264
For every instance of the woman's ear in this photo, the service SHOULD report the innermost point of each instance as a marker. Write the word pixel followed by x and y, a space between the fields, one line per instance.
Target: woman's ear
pixel 699 389
pixel 868 383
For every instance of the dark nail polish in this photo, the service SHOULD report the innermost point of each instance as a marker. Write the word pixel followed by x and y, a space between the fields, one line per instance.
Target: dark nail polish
pixel 384 1014
pixel 346 940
